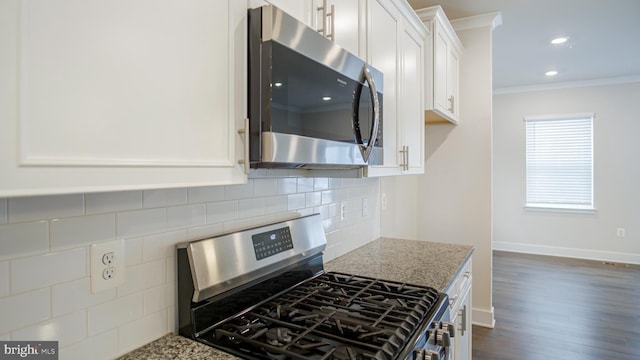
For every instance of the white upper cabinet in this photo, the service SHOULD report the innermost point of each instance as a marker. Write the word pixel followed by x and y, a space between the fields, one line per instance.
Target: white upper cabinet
pixel 442 67
pixel 341 21
pixel 396 47
pixel 111 95
pixel 299 9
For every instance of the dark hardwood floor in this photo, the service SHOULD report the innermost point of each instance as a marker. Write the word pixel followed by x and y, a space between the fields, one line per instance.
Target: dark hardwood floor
pixel 549 308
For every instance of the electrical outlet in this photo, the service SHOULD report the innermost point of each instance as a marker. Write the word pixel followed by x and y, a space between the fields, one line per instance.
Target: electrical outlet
pixel 108 258
pixel 383 201
pixel 109 273
pixel 621 232
pixel 343 207
pixel 107 265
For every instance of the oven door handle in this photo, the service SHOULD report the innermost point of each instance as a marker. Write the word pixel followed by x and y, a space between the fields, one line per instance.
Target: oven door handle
pixel 366 149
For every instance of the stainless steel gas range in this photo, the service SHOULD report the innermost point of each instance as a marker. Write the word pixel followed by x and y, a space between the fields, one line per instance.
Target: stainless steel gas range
pixel 262 293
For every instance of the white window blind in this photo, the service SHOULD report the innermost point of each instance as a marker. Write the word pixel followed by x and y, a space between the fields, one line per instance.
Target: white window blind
pixel 559 161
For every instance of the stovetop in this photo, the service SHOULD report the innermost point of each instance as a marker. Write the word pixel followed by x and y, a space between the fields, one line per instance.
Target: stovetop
pixel 332 316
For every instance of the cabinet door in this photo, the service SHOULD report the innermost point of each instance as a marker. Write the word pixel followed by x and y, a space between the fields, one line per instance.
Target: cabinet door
pixel 383 48
pixel 108 95
pixel 440 51
pixel 462 342
pixel 299 9
pixel 412 123
pixel 349 22
pixel 453 69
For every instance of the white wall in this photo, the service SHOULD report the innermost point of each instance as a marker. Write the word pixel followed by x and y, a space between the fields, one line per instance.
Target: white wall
pixel 455 191
pixel 399 216
pixel 44 246
pixel 616 175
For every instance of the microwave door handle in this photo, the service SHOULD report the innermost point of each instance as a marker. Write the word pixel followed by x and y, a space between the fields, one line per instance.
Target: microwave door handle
pixel 365 75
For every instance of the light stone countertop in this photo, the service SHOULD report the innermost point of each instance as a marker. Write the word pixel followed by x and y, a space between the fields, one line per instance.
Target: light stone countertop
pixel 414 262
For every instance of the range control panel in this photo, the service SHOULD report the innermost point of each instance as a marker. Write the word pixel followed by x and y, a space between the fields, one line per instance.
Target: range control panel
pixel 272 242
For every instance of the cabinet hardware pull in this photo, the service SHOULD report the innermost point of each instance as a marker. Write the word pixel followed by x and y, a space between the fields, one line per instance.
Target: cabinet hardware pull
pixel 244 132
pixel 323 10
pixel 406 163
pixel 333 23
pixel 463 320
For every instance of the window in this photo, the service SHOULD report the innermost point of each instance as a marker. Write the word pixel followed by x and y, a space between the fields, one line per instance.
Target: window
pixel 559 161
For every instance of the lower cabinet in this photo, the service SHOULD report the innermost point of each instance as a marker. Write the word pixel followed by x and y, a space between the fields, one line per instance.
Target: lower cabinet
pixel 460 307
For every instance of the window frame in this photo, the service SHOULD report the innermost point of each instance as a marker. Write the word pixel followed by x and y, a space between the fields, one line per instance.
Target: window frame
pixel 560 207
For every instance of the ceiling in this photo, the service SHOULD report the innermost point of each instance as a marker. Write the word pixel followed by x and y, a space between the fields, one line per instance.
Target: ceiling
pixel 604 38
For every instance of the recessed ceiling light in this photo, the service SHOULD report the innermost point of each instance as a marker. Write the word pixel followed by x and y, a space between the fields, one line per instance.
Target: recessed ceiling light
pixel 560 40
pixel 278 84
pixel 551 73
pixel 326 98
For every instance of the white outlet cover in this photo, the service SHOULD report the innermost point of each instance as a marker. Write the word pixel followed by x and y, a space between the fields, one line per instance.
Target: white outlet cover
pixel 98 282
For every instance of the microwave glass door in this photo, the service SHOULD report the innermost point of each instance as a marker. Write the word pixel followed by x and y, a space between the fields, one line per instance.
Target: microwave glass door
pixel 313 100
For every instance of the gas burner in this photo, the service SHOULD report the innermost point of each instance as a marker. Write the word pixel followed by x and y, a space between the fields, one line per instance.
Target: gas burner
pixel 344 353
pixel 279 336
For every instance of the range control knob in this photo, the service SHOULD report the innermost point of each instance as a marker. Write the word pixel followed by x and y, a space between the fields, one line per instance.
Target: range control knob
pixel 449 327
pixel 431 355
pixel 443 338
pixel 418 354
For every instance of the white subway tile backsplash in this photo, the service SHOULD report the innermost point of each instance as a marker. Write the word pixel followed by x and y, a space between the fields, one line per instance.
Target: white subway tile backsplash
pixel 186 216
pixel 164 197
pixel 78 231
pixel 142 277
pixel 49 269
pixel 155 299
pixel 328 197
pixel 313 199
pixel 250 208
pixel 110 315
pixel 276 204
pixel 24 239
pixel 132 251
pixel 320 184
pixel 141 222
pixel 265 187
pixel 287 186
pixel 151 223
pixel 25 309
pixel 222 211
pixel 3 211
pixel 66 329
pixel 205 194
pixel 204 231
pixel 98 203
pixel 305 184
pixel 4 279
pixel 296 201
pixel 100 347
pixel 76 295
pixel 160 246
pixel 142 331
pixel 23 209
pixel 235 192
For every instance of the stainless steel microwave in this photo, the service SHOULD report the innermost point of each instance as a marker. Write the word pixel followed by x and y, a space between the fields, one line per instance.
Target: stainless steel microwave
pixel 312 104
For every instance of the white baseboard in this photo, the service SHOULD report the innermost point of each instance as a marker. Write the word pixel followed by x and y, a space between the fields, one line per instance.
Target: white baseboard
pixel 567 252
pixel 483 317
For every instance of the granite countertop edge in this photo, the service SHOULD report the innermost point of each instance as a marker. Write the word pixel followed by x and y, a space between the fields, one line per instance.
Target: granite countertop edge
pixel 412 261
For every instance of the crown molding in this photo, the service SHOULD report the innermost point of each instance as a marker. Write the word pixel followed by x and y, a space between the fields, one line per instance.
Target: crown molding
pixel 492 20
pixel 568 85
